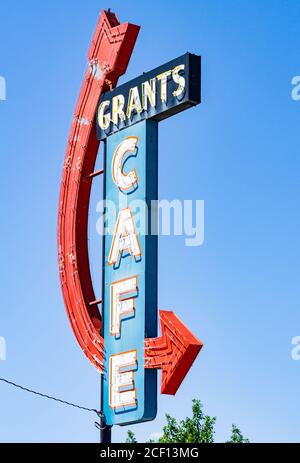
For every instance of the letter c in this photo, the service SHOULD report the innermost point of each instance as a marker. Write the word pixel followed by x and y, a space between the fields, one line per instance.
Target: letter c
pixel 124 181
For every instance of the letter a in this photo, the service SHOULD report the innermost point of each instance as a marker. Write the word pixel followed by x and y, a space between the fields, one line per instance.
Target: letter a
pixel 125 238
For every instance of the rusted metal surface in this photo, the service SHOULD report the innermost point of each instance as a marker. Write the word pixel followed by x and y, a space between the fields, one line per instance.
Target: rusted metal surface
pixel 108 57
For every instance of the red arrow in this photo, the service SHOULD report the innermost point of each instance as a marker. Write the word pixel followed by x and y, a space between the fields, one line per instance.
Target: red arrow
pixel 174 351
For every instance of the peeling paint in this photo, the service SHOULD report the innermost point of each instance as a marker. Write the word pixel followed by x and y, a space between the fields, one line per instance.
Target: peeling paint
pixel 84 121
pixel 96 71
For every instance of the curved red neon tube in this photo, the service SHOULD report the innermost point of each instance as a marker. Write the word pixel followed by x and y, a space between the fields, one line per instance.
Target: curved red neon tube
pixel 108 57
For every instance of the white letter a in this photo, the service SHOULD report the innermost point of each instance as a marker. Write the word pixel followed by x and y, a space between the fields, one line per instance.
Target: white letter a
pixel 125 238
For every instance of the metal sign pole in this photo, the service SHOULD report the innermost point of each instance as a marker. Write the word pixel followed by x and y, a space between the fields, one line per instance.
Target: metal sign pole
pixel 105 430
pixel 105 435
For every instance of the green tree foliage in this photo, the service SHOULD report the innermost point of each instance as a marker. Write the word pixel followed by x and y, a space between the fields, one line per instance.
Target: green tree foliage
pixel 237 437
pixel 198 429
pixel 130 437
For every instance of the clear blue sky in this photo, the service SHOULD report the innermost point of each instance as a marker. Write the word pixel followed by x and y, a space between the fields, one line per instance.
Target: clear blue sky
pixel 238 150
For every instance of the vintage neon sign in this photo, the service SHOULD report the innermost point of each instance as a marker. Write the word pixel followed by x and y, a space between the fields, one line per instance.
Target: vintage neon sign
pixel 127 119
pixel 129 295
pixel 156 95
pixel 122 344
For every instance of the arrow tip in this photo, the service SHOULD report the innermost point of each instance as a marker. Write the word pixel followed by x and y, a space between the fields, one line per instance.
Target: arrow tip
pixel 184 349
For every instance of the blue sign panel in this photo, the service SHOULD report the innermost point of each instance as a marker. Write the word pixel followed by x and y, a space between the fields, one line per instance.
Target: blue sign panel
pixel 158 94
pixel 129 274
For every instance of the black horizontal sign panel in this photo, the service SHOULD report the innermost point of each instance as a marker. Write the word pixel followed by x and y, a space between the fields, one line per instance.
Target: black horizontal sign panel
pixel 157 94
